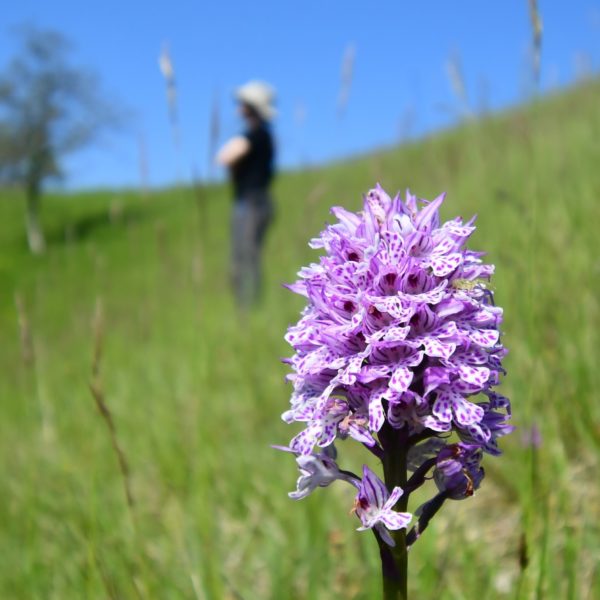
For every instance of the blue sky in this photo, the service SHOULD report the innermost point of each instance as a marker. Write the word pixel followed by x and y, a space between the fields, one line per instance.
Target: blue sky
pixel 400 85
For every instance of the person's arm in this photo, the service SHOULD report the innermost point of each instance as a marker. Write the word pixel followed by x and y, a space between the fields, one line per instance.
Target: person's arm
pixel 233 150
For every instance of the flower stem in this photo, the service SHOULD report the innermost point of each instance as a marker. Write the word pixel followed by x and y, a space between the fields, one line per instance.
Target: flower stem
pixel 394 561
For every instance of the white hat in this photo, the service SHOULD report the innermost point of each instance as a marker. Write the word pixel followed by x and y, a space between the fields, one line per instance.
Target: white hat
pixel 260 96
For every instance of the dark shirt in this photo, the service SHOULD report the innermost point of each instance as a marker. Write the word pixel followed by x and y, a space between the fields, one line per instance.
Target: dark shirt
pixel 254 171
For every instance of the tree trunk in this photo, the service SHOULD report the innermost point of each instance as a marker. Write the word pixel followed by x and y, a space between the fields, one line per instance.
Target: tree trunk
pixel 35 234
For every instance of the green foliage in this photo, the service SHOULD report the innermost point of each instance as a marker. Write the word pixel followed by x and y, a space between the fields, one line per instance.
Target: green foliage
pixel 196 389
pixel 48 109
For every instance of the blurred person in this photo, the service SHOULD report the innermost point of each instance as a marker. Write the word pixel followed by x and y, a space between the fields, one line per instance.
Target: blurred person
pixel 250 158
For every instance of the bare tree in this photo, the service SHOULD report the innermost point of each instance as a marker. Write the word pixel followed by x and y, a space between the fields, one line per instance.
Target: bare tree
pixel 48 109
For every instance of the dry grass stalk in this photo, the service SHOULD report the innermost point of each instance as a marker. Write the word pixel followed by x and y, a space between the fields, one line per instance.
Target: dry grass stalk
pixel 107 582
pixel 232 592
pixel 200 198
pixel 27 351
pixel 31 360
pixel 316 193
pixel 161 242
pixel 377 169
pixel 97 390
pixel 457 82
pixel 313 199
pixel 347 74
pixel 168 71
pixel 536 30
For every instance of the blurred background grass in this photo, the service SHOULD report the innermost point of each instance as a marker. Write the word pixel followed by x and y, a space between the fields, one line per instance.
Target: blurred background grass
pixel 196 389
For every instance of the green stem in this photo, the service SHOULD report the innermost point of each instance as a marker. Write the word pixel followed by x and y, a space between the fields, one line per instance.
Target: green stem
pixel 394 561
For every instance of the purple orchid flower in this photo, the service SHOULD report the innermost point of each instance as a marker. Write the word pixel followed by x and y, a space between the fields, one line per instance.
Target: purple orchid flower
pixel 374 506
pixel 458 472
pixel 318 470
pixel 398 349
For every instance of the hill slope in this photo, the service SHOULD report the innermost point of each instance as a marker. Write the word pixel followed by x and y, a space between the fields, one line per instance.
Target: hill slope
pixel 196 389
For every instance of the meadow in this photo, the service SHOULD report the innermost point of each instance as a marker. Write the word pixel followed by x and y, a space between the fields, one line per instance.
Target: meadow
pixel 139 286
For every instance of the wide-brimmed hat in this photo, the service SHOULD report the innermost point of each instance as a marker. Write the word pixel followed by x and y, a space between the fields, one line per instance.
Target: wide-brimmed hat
pixel 260 96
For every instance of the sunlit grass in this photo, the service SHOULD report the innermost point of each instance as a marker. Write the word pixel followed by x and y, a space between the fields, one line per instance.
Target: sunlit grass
pixel 196 389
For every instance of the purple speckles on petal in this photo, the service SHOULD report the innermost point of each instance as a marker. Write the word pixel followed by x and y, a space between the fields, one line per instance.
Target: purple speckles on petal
pixel 474 375
pixel 484 337
pixel 400 379
pixel 376 416
pixel 375 408
pixel 444 265
pixel 442 408
pixel 434 348
pixel 395 334
pixel 466 412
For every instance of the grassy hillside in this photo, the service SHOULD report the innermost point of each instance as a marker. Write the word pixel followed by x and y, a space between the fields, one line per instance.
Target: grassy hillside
pixel 196 389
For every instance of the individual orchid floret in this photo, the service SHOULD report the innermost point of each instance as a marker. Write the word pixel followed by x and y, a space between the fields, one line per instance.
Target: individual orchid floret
pixel 458 472
pixel 318 470
pixel 374 506
pixel 492 426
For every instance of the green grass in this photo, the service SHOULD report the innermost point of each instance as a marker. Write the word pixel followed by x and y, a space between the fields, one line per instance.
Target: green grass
pixel 196 389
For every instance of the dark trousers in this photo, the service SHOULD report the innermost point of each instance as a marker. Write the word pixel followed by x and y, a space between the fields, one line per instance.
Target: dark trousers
pixel 251 217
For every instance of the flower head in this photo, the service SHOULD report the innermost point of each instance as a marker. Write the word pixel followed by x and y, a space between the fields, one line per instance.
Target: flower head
pixel 374 506
pixel 399 326
pixel 399 340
